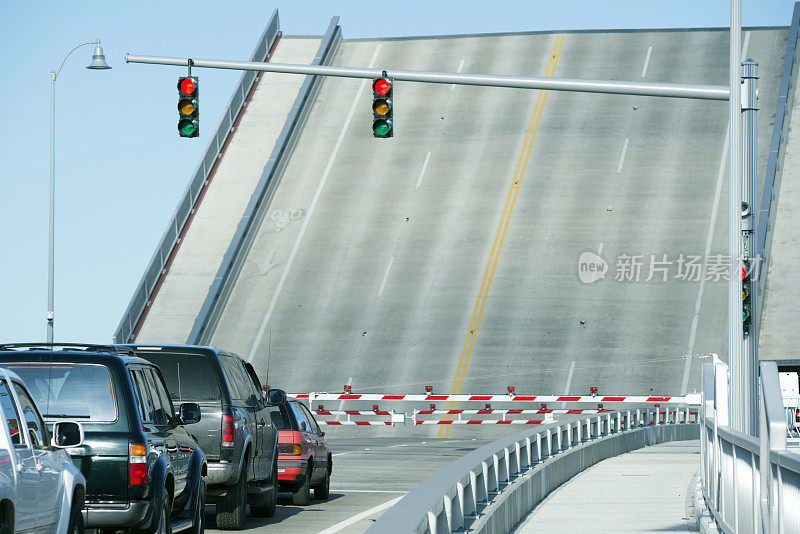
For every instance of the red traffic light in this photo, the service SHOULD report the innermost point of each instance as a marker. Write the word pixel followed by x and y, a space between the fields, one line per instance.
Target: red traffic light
pixel 381 86
pixel 186 86
pixel 511 390
pixel 348 389
pixel 429 389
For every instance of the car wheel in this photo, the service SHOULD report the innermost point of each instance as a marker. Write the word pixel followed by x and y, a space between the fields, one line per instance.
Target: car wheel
pixel 266 506
pixel 199 519
pixel 231 517
pixel 75 520
pixel 164 525
pixel 302 495
pixel 322 490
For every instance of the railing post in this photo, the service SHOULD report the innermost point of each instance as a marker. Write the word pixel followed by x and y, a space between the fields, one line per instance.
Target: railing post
pixel 578 428
pixel 458 516
pixel 471 497
pixel 494 477
pixel 558 438
pixel 529 461
pixel 569 436
pixel 539 458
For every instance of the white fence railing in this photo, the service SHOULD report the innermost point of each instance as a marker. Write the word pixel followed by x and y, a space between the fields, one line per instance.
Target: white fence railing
pixel 464 492
pixel 749 484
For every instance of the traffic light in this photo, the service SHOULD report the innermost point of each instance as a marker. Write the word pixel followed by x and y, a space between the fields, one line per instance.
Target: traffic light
pixel 746 288
pixel 382 108
pixel 188 110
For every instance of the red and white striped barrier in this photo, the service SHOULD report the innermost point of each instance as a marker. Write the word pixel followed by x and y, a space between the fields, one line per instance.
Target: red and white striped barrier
pixel 504 412
pixel 352 412
pixel 356 423
pixel 483 422
pixel 374 397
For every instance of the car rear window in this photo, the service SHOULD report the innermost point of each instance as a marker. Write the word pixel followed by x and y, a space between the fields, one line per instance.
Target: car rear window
pixel 189 377
pixel 70 390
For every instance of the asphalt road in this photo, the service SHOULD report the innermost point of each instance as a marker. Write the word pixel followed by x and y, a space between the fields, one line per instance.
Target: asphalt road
pixel 368 473
pixel 417 260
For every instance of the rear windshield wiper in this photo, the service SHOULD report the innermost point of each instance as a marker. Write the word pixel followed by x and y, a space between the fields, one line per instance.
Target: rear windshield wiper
pixel 66 416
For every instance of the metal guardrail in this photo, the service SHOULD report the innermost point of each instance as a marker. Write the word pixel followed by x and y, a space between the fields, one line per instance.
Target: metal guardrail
pixel 150 281
pixel 749 484
pixel 232 261
pixel 458 496
pixel 777 149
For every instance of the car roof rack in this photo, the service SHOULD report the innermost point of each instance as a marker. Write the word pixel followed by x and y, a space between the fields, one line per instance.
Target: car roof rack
pixel 86 347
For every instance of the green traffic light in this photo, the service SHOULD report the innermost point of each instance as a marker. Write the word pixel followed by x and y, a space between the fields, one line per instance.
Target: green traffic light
pixel 186 127
pixel 381 127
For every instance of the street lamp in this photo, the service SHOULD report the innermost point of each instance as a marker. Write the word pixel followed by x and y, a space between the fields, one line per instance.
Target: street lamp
pixel 98 63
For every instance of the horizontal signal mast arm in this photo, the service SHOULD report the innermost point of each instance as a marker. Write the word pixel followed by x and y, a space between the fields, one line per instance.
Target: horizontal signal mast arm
pixel 672 90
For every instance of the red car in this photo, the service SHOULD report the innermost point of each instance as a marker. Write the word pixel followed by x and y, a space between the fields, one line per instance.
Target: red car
pixel 304 458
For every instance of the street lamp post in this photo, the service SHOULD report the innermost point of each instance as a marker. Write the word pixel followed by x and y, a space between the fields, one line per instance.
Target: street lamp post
pixel 98 63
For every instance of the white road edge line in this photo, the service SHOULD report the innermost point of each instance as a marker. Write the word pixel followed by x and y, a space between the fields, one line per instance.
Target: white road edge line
pixel 572 365
pixel 422 172
pixel 622 157
pixel 647 61
pixel 460 66
pixel 296 246
pixel 386 276
pixel 358 517
pixel 599 252
pixel 712 223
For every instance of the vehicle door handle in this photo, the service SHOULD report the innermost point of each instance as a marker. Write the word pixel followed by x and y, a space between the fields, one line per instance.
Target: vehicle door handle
pixel 21 468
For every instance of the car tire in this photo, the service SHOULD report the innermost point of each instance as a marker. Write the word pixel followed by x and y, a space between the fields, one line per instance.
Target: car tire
pixel 75 525
pixel 266 506
pixel 302 495
pixel 232 517
pixel 164 521
pixel 323 489
pixel 199 519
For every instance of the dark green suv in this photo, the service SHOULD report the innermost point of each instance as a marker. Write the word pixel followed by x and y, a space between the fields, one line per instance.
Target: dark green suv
pixel 144 471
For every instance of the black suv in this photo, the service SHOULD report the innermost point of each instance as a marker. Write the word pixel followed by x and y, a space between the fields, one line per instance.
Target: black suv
pixel 143 470
pixel 236 431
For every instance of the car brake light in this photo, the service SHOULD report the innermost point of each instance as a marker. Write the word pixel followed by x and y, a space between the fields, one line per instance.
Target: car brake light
pixel 227 431
pixel 137 465
pixel 289 449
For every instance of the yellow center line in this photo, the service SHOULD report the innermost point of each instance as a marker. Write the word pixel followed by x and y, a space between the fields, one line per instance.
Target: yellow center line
pixel 499 238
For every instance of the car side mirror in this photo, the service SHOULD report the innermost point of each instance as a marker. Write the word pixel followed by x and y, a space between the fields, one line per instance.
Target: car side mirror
pixel 67 434
pixel 189 412
pixel 321 433
pixel 276 396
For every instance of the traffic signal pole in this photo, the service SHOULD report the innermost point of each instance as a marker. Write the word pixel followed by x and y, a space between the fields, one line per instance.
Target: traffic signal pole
pixel 675 90
pixel 742 342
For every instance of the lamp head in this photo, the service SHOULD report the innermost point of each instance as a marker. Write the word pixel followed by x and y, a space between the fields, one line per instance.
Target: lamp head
pixel 98 59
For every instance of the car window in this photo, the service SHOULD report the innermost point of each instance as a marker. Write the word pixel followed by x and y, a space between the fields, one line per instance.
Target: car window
pixel 37 431
pixel 161 389
pixel 233 374
pixel 280 418
pixel 143 399
pixel 310 418
pixel 188 376
pixel 251 374
pixel 159 414
pixel 302 423
pixel 70 390
pixel 11 414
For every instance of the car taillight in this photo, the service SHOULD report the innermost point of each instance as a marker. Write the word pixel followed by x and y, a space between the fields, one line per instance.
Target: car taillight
pixel 227 431
pixel 289 449
pixel 137 465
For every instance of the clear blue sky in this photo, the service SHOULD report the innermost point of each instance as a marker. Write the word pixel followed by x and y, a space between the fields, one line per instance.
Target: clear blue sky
pixel 121 166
